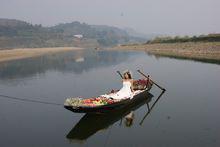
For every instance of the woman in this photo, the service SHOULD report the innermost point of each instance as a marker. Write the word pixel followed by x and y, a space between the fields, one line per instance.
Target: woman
pixel 126 91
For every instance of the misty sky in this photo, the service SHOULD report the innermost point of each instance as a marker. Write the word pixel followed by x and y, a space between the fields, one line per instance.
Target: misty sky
pixel 172 17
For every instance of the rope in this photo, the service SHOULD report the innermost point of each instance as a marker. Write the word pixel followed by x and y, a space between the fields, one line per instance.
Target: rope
pixel 28 100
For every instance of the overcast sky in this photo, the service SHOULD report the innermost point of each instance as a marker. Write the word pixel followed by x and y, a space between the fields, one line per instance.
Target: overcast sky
pixel 173 17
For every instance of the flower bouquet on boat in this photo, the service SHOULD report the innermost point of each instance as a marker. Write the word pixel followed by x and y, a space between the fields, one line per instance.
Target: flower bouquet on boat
pixel 130 91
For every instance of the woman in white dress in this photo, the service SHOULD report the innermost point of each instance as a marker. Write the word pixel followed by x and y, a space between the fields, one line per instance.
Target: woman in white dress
pixel 126 91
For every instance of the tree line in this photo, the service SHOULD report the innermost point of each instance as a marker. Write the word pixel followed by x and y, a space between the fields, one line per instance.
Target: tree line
pixel 179 39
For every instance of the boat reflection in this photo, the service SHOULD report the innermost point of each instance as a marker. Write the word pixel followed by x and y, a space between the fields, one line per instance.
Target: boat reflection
pixel 89 124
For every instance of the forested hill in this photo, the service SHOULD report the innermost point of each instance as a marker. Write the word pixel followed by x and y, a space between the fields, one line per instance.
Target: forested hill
pixel 17 34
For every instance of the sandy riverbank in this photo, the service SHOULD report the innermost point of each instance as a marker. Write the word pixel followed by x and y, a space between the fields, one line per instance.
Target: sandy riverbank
pixel 20 53
pixel 197 51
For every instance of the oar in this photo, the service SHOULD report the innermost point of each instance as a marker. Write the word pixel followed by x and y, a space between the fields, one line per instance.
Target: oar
pixel 151 80
pixel 120 74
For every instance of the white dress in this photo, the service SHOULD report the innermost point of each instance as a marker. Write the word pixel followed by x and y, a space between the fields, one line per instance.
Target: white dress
pixel 123 93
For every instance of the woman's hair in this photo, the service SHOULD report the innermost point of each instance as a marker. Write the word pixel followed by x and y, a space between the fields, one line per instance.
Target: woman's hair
pixel 129 75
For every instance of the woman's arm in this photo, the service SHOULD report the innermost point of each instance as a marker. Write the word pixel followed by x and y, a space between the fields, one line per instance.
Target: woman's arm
pixel 132 88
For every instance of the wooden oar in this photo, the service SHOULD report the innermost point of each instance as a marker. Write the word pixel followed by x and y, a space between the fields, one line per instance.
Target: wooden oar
pixel 151 80
pixel 120 74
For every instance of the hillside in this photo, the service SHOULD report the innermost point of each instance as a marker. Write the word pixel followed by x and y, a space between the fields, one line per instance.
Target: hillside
pixel 20 34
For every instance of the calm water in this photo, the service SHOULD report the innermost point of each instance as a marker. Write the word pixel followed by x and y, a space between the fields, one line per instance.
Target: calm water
pixel 187 114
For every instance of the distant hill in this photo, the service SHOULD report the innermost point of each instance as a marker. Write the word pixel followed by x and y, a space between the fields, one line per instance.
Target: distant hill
pixel 12 23
pixel 18 34
pixel 105 35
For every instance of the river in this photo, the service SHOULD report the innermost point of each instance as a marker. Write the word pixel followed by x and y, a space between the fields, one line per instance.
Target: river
pixel 33 90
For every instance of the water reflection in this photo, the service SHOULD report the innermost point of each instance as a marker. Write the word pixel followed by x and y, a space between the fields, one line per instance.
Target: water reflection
pixel 213 61
pixel 89 124
pixel 74 61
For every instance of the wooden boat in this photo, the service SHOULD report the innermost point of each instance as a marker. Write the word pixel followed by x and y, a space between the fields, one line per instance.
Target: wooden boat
pixel 102 108
pixel 103 105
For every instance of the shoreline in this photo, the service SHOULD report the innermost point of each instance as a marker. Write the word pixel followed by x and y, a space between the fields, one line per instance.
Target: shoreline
pixel 207 51
pixel 21 53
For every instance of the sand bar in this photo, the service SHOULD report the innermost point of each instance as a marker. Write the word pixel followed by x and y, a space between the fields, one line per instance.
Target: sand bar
pixel 20 53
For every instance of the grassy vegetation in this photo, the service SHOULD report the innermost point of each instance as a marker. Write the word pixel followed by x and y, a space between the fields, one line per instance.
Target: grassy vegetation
pixel 178 39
